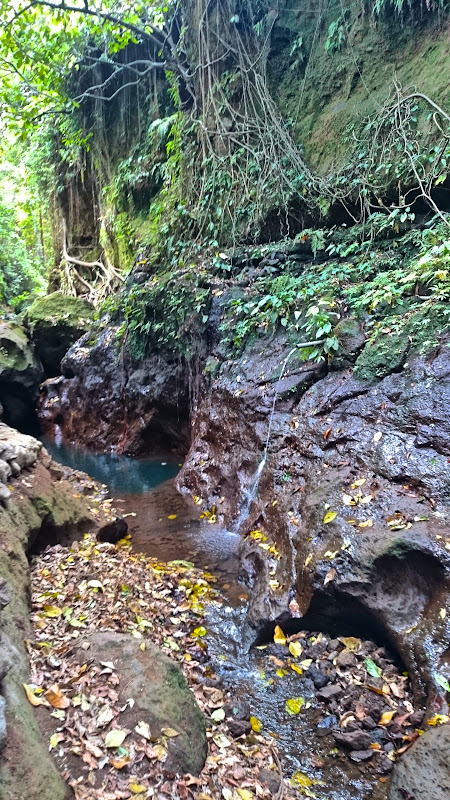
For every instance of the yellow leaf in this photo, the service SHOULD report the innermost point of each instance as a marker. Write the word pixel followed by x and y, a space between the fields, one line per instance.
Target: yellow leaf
pixel 359 482
pixel 308 559
pixel 302 780
pixel 367 524
pixel 169 732
pixel 256 724
pixel 438 719
pixel 294 705
pixel 115 738
pixel 278 635
pixel 30 693
pixel 297 669
pixel 351 643
pixel 245 794
pixel 281 673
pixel 306 663
pixel 201 631
pixel 295 649
pixel 52 611
pixel 443 613
pixel 386 717
pixel 55 739
pixel 329 517
pixel 172 516
pixel 330 554
pixel 137 788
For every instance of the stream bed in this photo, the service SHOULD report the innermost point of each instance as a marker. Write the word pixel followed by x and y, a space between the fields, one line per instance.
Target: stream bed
pixel 262 682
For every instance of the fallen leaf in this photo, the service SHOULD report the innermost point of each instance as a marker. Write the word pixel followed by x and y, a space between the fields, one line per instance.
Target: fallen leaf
pixel 351 643
pixel 372 668
pixel 170 732
pixel 55 739
pixel 329 517
pixel 386 718
pixel 377 436
pixel 256 724
pixel 172 516
pixel 294 705
pixel 52 611
pixel 218 715
pixel 143 729
pixel 32 698
pixel 438 719
pixel 120 763
pixel 295 649
pixel 56 698
pixel 442 681
pixel 245 794
pixel 367 524
pixel 137 788
pixel 95 585
pixel 115 737
pixel 278 635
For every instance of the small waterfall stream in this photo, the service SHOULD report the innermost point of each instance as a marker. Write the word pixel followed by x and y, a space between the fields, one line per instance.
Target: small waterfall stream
pixel 251 492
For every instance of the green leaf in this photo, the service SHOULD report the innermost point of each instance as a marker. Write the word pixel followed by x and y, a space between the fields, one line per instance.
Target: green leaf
pixel 442 681
pixel 372 668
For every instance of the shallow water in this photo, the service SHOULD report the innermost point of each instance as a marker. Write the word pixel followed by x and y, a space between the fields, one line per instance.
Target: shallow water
pixel 122 474
pixel 163 524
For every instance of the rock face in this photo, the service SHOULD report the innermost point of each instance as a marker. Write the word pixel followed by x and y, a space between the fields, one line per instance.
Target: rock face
pixel 20 375
pixel 44 502
pixel 104 403
pixel 55 323
pixel 353 498
pixel 161 697
pixel 424 770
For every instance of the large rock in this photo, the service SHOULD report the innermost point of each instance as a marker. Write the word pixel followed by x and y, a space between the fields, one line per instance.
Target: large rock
pixel 20 375
pixel 106 402
pixel 161 696
pixel 55 323
pixel 424 771
pixel 379 567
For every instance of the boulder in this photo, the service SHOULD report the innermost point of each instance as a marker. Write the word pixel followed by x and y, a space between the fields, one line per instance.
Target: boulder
pixel 55 323
pixel 161 696
pixel 424 771
pixel 20 375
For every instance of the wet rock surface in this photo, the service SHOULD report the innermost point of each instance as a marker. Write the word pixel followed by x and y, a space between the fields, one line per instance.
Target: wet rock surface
pixel 20 374
pixel 424 771
pixel 103 402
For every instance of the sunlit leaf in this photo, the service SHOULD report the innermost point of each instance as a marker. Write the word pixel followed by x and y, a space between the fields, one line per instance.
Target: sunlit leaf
pixel 256 724
pixel 218 715
pixel 295 649
pixel 278 635
pixel 386 718
pixel 294 705
pixel 438 719
pixel 52 611
pixel 329 517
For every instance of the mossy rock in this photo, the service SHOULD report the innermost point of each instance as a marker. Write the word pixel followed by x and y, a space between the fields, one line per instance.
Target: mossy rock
pixel 20 374
pixel 55 323
pixel 381 357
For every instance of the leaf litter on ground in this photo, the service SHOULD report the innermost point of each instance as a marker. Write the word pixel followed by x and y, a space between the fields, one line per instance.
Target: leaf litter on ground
pixel 161 602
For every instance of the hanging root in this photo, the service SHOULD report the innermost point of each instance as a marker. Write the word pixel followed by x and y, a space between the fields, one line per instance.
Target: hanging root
pixel 103 280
